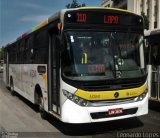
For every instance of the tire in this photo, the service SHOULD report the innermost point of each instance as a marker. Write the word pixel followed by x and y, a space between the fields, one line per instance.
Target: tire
pixel 12 87
pixel 41 108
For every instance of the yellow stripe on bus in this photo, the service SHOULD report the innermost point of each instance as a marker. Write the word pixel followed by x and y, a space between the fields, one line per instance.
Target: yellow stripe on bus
pixel 105 8
pixel 110 95
pixel 40 25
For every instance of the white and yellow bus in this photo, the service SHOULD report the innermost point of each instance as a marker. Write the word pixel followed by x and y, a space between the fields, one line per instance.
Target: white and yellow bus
pixel 82 65
pixel 153 62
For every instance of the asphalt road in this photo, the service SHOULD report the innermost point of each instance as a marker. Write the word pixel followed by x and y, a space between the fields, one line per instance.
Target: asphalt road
pixel 21 117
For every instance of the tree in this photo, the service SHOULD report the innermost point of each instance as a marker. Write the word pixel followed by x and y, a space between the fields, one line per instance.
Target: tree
pixel 1 53
pixel 75 4
pixel 146 21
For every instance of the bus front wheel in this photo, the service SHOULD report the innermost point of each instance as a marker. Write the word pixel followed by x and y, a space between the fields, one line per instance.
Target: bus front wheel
pixel 41 108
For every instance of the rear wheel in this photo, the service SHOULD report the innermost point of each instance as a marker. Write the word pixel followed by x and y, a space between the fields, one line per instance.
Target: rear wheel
pixel 12 87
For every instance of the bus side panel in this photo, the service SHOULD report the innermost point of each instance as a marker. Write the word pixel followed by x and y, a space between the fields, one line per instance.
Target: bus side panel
pixel 27 80
pixel 26 77
pixel 22 80
pixel 15 73
pixel 40 78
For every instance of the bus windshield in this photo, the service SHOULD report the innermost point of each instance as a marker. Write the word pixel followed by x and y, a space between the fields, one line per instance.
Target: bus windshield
pixel 102 55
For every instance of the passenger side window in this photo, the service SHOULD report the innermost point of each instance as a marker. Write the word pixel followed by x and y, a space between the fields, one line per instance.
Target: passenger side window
pixel 41 48
pixel 28 49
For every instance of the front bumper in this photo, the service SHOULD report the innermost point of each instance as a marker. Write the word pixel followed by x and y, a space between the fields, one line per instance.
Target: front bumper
pixel 73 113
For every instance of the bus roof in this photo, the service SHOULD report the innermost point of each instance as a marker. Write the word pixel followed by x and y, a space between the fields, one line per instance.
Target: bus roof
pixel 116 9
pixel 60 14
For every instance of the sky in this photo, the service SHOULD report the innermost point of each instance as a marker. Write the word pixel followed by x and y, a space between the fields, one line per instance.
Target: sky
pixel 19 16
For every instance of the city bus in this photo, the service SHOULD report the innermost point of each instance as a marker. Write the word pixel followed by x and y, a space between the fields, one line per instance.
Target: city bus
pixel 153 62
pixel 82 65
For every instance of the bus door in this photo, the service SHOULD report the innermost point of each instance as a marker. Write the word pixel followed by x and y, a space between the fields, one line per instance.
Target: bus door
pixel 155 84
pixel 159 81
pixel 53 75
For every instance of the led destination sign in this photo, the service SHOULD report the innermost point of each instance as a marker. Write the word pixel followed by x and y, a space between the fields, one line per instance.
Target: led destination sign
pixel 102 17
pixel 110 19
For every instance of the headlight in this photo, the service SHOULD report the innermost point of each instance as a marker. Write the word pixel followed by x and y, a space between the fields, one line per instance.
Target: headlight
pixel 75 98
pixel 141 97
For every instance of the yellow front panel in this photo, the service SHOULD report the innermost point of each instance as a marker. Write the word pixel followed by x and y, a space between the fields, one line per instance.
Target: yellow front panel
pixel 110 95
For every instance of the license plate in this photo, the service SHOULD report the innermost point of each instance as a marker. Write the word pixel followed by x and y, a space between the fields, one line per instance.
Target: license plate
pixel 115 111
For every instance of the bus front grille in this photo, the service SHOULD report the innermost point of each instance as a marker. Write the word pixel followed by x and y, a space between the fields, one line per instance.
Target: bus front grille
pixel 111 102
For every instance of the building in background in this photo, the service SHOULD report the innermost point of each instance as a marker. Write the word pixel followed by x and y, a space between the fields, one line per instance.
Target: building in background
pixel 115 3
pixel 151 8
pixel 107 3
